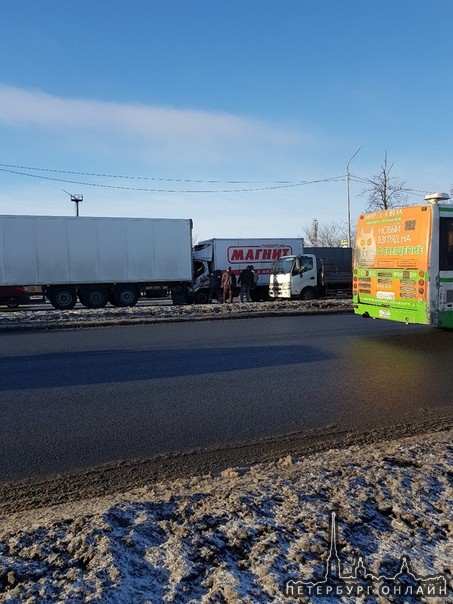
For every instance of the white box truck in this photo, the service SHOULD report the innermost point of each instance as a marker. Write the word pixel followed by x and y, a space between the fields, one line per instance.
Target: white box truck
pixel 317 273
pixel 218 254
pixel 95 260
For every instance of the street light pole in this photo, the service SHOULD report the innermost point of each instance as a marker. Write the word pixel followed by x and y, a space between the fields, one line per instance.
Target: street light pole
pixel 348 198
pixel 77 199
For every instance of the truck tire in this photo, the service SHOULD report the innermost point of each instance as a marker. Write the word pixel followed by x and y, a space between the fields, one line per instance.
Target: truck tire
pixel 62 297
pixel 94 297
pixel 179 295
pixel 308 293
pixel 201 297
pixel 125 295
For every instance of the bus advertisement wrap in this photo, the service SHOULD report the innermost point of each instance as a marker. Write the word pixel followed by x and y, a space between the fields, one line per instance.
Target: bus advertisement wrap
pixel 391 260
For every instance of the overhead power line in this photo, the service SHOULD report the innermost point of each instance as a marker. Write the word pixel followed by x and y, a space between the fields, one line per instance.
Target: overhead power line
pixel 13 169
pixel 125 177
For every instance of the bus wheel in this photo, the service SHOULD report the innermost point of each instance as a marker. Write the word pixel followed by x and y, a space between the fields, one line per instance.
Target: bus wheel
pixel 308 294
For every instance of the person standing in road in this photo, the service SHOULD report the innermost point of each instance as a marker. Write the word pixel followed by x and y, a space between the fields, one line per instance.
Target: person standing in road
pixel 215 286
pixel 246 282
pixel 254 294
pixel 228 285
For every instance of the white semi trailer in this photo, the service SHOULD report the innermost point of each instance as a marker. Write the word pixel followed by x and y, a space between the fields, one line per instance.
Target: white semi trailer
pixel 95 260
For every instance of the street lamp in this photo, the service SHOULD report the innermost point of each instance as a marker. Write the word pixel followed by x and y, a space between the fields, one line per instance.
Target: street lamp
pixel 77 199
pixel 348 198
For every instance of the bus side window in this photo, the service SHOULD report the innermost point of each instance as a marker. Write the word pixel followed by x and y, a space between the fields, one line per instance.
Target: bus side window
pixel 446 244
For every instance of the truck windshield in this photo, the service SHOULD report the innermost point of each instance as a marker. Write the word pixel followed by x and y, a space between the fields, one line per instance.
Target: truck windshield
pixel 283 265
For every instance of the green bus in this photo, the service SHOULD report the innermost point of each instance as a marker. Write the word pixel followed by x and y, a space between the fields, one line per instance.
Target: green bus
pixel 403 263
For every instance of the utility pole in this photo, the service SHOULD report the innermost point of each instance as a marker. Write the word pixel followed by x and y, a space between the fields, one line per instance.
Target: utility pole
pixel 348 198
pixel 315 232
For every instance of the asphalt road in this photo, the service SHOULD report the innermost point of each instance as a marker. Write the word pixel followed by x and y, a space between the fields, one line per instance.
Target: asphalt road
pixel 74 399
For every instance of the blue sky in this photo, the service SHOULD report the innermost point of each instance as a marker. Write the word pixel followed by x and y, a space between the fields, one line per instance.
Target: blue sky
pixel 239 114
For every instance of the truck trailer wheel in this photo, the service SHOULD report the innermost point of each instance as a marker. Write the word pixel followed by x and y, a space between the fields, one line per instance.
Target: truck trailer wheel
pixel 125 295
pixel 62 297
pixel 308 293
pixel 94 297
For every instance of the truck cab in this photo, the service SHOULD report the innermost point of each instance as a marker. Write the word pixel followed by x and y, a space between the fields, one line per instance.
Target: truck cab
pixel 296 277
pixel 309 276
pixel 198 292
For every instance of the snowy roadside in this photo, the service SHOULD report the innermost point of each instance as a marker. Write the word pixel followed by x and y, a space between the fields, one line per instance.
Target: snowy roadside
pixel 239 536
pixel 48 318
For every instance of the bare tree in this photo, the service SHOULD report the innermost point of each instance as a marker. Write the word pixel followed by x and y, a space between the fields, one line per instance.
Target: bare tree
pixel 385 191
pixel 326 234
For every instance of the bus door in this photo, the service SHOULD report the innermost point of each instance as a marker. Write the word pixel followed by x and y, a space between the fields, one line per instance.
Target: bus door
pixel 445 314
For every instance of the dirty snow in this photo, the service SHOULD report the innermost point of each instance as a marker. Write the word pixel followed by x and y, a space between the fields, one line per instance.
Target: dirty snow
pixel 237 537
pixel 41 317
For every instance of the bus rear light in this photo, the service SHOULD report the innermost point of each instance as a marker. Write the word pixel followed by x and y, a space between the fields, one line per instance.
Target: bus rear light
pixel 421 282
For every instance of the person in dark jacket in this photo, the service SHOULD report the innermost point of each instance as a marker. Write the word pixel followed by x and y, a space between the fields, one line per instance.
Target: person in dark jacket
pixel 215 286
pixel 254 292
pixel 246 282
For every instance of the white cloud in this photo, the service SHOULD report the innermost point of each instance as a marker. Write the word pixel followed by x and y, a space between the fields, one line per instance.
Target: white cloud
pixel 148 131
pixel 55 134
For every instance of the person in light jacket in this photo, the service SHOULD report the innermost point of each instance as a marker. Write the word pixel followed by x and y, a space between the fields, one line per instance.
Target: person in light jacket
pixel 228 285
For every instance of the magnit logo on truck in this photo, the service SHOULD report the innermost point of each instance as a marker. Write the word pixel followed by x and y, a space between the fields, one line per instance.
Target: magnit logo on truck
pixel 239 254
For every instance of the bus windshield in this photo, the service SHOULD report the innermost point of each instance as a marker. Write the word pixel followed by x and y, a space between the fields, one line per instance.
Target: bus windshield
pixel 283 265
